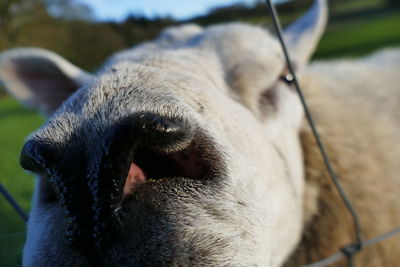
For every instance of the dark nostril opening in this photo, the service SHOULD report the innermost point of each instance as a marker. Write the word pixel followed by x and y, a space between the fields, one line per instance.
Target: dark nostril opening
pixel 120 144
pixel 36 156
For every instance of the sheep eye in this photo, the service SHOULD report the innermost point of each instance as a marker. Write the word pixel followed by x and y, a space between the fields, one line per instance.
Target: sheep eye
pixel 286 78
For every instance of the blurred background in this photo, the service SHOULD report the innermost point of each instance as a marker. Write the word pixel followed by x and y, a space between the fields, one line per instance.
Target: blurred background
pixel 86 32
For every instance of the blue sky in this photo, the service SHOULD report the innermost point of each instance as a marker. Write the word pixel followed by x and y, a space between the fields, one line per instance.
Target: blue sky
pixel 180 9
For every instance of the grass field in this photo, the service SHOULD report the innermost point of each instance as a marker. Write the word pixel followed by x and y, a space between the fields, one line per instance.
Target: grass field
pixel 360 35
pixel 355 35
pixel 16 123
pixel 345 37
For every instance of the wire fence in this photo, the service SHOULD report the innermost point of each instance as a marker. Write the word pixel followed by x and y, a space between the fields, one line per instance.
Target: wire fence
pixel 14 204
pixel 12 229
pixel 348 251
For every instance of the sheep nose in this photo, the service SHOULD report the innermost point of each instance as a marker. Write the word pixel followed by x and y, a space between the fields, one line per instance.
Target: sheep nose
pixel 90 181
pixel 159 132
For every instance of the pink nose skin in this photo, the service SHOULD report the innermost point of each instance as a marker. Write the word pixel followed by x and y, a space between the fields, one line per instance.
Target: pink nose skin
pixel 135 176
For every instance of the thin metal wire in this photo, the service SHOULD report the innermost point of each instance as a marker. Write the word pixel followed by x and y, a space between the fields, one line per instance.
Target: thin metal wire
pixel 328 165
pixel 13 203
pixel 335 257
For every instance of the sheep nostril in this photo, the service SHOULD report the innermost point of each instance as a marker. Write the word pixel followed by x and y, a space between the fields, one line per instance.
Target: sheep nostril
pixel 115 172
pixel 36 157
pixel 39 158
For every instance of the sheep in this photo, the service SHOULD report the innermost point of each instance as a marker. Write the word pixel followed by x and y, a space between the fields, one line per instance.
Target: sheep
pixel 356 115
pixel 193 150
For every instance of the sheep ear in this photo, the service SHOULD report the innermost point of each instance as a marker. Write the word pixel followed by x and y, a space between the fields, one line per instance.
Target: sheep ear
pixel 39 78
pixel 303 35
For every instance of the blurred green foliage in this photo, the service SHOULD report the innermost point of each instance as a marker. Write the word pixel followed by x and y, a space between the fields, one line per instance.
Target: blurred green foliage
pixel 67 27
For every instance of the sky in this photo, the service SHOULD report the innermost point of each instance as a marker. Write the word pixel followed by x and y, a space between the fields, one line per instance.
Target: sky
pixel 179 9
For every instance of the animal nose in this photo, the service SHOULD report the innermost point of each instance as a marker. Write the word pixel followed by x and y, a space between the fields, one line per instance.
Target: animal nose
pixel 156 131
pixel 91 182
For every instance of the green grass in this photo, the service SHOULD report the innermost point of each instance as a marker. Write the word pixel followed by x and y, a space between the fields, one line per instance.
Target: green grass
pixel 355 37
pixel 356 5
pixel 16 123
